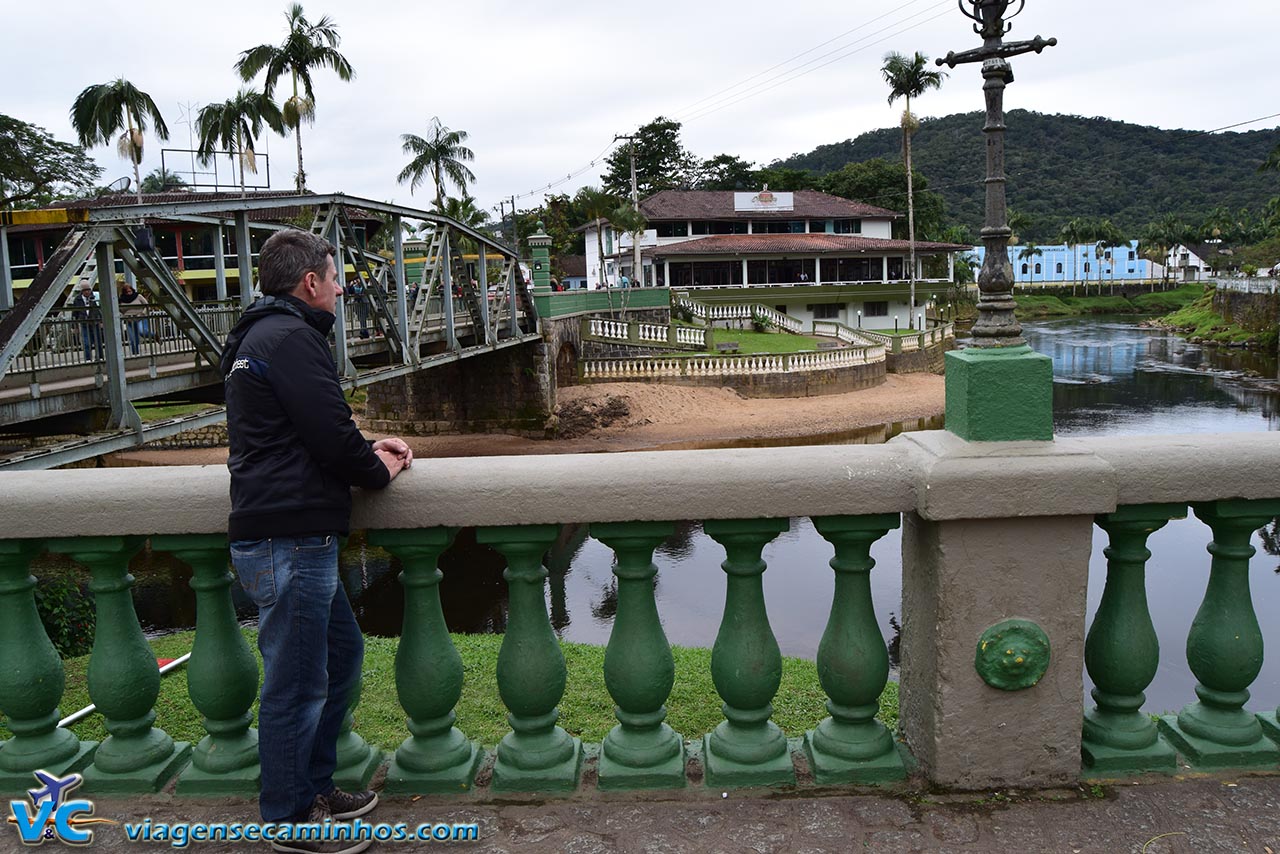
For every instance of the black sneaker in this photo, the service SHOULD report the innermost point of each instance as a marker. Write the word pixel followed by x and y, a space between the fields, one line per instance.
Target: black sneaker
pixel 320 814
pixel 345 805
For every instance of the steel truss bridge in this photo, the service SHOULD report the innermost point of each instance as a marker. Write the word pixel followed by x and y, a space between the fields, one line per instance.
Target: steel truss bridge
pixel 59 365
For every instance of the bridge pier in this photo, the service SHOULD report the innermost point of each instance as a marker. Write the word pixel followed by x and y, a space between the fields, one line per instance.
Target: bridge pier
pixel 509 390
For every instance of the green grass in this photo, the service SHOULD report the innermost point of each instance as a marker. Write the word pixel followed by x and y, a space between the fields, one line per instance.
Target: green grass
pixel 159 411
pixel 1199 320
pixel 585 711
pixel 1148 303
pixel 750 342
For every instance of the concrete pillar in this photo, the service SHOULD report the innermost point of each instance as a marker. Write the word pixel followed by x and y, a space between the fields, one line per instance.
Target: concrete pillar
pixel 6 274
pixel 243 259
pixel 666 273
pixel 744 271
pixel 817 270
pixel 884 269
pixel 977 554
pixel 220 261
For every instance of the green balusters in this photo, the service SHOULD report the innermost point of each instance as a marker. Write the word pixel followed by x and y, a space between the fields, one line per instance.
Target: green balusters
pixel 537 755
pixel 642 751
pixel 222 674
pixel 746 749
pixel 123 678
pixel 358 760
pixel 31 681
pixel 436 757
pixel 1224 648
pixel 851 746
pixel 1122 651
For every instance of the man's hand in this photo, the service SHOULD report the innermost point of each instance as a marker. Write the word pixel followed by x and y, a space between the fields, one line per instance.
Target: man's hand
pixel 395 455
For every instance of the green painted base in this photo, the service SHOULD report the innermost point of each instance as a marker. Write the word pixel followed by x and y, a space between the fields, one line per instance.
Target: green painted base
pixel 999 394
pixel 17 782
pixel 149 778
pixel 242 781
pixel 355 776
pixel 562 777
pixel 669 774
pixel 1101 760
pixel 1202 753
pixel 831 770
pixel 1270 725
pixel 729 774
pixel 448 781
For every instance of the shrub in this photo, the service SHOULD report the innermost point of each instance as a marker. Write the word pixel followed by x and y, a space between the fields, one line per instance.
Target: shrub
pixel 67 614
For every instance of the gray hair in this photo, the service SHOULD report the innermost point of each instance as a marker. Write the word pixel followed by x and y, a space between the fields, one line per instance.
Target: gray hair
pixel 287 257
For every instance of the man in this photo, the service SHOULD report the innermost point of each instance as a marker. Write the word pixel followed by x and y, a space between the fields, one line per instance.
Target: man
pixel 89 314
pixel 295 453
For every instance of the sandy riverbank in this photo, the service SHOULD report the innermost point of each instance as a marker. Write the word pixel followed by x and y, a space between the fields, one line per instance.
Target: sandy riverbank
pixel 633 417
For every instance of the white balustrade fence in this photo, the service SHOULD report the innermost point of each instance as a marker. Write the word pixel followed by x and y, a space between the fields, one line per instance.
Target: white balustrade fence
pixel 646 367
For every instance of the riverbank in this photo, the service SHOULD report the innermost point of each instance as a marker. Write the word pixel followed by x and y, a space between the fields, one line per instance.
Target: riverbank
pixel 1156 302
pixel 610 417
pixel 1201 323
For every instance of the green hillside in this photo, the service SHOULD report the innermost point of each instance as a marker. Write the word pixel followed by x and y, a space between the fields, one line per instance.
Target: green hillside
pixel 1067 166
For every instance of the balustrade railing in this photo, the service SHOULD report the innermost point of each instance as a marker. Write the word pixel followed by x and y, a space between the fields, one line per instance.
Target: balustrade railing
pixel 902 342
pixel 645 334
pixel 1248 284
pixel 711 312
pixel 653 367
pixel 979 707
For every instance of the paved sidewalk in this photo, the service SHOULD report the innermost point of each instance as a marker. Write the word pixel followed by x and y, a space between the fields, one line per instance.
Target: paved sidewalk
pixel 1190 814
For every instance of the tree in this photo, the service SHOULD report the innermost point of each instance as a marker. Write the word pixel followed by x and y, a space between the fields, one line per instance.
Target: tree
pixel 464 210
pixel 785 180
pixel 101 110
pixel 909 78
pixel 234 125
pixel 307 46
pixel 879 182
pixel 1028 253
pixel 160 179
pixel 661 162
pixel 598 206
pixel 1160 237
pixel 442 155
pixel 35 167
pixel 726 172
pixel 1075 232
pixel 628 220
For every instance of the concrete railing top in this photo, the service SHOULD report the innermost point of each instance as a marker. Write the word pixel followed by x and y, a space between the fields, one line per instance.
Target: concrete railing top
pixel 933 473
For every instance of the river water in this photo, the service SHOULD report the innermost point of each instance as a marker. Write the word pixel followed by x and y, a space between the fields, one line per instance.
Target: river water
pixel 1111 376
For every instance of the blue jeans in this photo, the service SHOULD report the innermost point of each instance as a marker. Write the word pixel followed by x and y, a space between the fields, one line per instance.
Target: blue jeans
pixel 312 652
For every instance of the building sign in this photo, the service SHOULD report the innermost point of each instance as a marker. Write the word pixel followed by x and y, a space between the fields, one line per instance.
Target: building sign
pixel 765 200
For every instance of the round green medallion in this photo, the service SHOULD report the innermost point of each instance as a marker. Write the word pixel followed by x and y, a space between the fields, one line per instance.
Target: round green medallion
pixel 1012 655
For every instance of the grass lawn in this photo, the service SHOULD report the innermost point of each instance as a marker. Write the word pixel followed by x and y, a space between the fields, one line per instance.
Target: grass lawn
pixel 586 709
pixel 160 411
pixel 750 342
pixel 1198 320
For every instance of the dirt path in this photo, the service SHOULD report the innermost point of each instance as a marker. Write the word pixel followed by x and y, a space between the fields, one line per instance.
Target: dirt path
pixel 635 416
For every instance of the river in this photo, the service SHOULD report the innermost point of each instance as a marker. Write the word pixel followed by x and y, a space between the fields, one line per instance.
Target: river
pixel 1111 376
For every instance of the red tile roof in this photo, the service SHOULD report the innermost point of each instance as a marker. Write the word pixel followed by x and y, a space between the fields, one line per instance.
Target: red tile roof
pixel 798 244
pixel 718 204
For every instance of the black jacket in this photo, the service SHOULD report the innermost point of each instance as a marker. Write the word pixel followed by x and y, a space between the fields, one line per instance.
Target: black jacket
pixel 295 452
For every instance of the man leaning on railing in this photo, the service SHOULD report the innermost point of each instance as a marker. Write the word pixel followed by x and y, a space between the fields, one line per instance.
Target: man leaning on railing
pixel 295 454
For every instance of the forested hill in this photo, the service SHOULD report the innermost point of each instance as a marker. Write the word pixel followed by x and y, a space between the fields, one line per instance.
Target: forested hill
pixel 1062 167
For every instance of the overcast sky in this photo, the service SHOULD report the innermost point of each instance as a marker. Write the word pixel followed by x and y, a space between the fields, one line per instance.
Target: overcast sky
pixel 542 87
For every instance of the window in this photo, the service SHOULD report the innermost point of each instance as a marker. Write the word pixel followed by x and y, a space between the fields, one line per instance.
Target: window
pixel 704 226
pixel 1038 268
pixel 672 229
pixel 608 241
pixel 1059 265
pixel 847 226
pixel 1086 266
pixel 780 227
pixel 876 309
pixel 1024 269
pixel 826 311
pixel 1132 256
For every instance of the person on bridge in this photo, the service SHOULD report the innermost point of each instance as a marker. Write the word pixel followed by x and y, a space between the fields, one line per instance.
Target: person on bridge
pixel 295 453
pixel 87 311
pixel 133 306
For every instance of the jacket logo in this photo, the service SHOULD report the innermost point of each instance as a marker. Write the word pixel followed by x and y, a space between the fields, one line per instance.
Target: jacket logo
pixel 254 366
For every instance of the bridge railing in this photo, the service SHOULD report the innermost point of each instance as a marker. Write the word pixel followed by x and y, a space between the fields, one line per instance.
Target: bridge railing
pixel 996 540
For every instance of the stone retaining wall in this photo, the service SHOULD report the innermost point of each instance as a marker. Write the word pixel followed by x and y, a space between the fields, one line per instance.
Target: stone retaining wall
pixel 1255 312
pixel 930 360
pixel 793 384
pixel 213 436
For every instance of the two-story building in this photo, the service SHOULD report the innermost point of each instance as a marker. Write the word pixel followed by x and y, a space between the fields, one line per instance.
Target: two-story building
pixel 809 254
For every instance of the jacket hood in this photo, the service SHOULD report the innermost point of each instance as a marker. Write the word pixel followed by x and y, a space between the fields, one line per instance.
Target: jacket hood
pixel 321 321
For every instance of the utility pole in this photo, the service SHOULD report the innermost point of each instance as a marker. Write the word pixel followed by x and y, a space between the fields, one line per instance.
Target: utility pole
pixel 637 272
pixel 502 215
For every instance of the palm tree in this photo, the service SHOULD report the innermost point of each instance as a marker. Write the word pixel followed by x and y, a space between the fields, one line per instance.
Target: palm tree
pixel 442 154
pixel 306 47
pixel 101 110
pixel 465 211
pixel 1074 233
pixel 627 219
pixel 909 78
pixel 1105 236
pixel 598 207
pixel 234 124
pixel 161 179
pixel 1028 253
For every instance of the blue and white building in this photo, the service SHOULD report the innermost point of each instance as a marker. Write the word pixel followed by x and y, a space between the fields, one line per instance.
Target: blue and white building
pixel 1076 263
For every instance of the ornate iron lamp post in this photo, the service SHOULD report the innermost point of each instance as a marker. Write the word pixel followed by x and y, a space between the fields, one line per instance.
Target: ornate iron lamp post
pixel 996 325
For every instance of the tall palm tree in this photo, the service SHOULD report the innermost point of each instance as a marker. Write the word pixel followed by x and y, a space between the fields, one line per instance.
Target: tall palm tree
pixel 1028 253
pixel 909 77
pixel 442 154
pixel 598 207
pixel 1075 232
pixel 306 47
pixel 235 124
pixel 101 110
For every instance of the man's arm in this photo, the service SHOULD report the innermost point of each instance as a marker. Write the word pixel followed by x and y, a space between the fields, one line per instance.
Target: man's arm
pixel 302 377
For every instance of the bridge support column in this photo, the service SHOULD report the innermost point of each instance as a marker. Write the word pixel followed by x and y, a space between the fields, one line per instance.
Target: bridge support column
pixel 244 259
pixel 511 389
pixel 220 262
pixel 123 415
pixel 402 288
